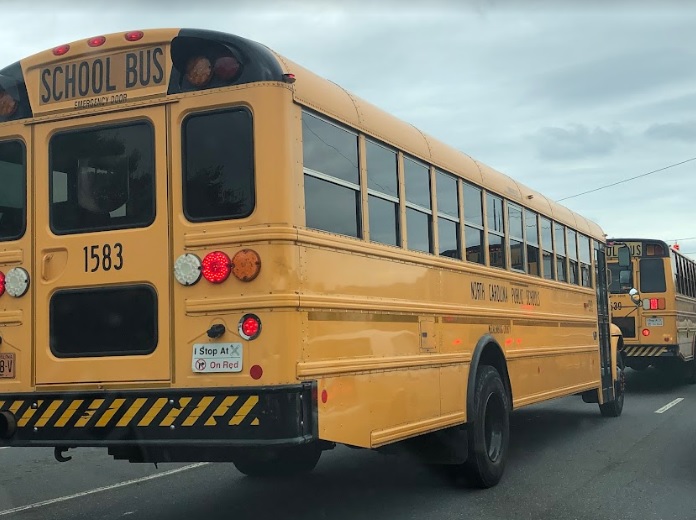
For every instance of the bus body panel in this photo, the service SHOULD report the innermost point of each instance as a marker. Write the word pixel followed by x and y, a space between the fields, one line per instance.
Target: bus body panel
pixel 16 314
pixel 78 262
pixel 359 343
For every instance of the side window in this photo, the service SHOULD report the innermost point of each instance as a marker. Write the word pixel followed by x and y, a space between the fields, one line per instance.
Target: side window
pixel 219 165
pixel 473 224
pixel 559 239
pixel 585 260
pixel 516 232
pixel 13 192
pixel 573 257
pixel 448 215
pixel 102 178
pixel 532 240
pixel 332 179
pixel 496 231
pixel 383 193
pixel 547 247
pixel 418 209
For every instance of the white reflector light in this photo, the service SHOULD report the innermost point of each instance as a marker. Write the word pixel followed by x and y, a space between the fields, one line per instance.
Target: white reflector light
pixel 16 282
pixel 187 269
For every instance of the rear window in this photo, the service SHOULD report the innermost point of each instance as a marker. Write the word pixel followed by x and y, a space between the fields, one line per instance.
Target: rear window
pixel 12 194
pixel 218 165
pixel 614 279
pixel 102 178
pixel 106 321
pixel 652 275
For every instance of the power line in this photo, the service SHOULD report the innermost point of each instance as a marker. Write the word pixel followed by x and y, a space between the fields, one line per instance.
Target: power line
pixel 678 239
pixel 627 180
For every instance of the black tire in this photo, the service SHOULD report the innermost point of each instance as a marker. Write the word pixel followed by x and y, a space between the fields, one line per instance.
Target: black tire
pixel 489 431
pixel 615 407
pixel 283 462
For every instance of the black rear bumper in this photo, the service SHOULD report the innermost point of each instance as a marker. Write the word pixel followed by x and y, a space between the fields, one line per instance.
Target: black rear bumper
pixel 213 417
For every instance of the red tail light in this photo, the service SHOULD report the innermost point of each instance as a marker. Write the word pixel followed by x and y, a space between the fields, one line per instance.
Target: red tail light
pixel 96 41
pixel 216 267
pixel 645 332
pixel 653 304
pixel 2 283
pixel 249 326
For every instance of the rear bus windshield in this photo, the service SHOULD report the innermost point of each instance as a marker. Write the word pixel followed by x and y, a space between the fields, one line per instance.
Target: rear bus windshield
pixel 102 178
pixel 652 275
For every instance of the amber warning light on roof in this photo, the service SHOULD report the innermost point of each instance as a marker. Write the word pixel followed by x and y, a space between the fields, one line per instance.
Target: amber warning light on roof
pixel 103 80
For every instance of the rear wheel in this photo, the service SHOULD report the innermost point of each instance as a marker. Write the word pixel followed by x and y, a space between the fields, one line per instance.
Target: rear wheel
pixel 282 462
pixel 489 431
pixel 615 407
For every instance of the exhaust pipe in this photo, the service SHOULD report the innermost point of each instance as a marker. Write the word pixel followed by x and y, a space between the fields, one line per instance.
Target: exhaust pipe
pixel 8 425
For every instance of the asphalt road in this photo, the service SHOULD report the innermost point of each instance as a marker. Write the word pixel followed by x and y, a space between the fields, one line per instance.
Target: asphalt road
pixel 567 462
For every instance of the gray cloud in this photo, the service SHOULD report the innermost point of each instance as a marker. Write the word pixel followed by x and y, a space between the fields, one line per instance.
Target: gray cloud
pixel 574 142
pixel 682 131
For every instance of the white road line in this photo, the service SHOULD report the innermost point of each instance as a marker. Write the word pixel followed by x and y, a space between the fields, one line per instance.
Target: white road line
pixel 100 489
pixel 4 447
pixel 669 405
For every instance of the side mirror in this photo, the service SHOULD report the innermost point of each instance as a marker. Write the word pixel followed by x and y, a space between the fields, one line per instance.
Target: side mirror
pixel 635 296
pixel 624 254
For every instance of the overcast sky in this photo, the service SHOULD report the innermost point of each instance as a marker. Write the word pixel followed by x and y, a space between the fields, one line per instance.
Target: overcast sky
pixel 562 98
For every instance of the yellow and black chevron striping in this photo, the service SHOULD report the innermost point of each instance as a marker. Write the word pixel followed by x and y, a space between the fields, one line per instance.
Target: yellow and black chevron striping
pixel 114 412
pixel 645 351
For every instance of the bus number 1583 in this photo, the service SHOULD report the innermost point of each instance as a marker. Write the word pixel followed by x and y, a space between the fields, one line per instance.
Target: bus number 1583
pixel 106 257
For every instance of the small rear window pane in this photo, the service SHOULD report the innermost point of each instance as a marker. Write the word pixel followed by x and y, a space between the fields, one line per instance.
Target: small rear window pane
pixel 12 191
pixel 652 275
pixel 108 321
pixel 218 165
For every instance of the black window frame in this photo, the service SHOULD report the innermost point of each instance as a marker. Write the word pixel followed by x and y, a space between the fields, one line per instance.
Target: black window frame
pixel 382 195
pixel 415 208
pixel 474 226
pixel 446 215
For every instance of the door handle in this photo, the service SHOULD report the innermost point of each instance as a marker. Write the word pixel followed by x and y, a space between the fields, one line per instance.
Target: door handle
pixel 46 260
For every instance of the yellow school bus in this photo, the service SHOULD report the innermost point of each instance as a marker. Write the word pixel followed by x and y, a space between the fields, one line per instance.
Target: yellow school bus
pixel 209 253
pixel 660 328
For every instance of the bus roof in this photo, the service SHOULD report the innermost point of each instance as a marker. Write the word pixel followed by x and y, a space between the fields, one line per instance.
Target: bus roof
pixel 29 83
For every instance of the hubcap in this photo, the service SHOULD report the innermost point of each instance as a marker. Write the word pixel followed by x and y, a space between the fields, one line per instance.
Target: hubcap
pixel 493 426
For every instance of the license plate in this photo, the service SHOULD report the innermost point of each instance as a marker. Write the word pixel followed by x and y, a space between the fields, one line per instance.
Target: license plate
pixel 7 365
pixel 654 322
pixel 216 357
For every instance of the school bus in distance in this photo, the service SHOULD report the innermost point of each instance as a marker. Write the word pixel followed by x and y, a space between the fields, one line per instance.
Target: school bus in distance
pixel 209 253
pixel 660 329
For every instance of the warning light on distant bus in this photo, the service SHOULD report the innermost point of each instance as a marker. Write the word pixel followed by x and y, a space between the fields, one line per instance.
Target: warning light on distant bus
pixel 216 267
pixel 96 41
pixel 2 283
